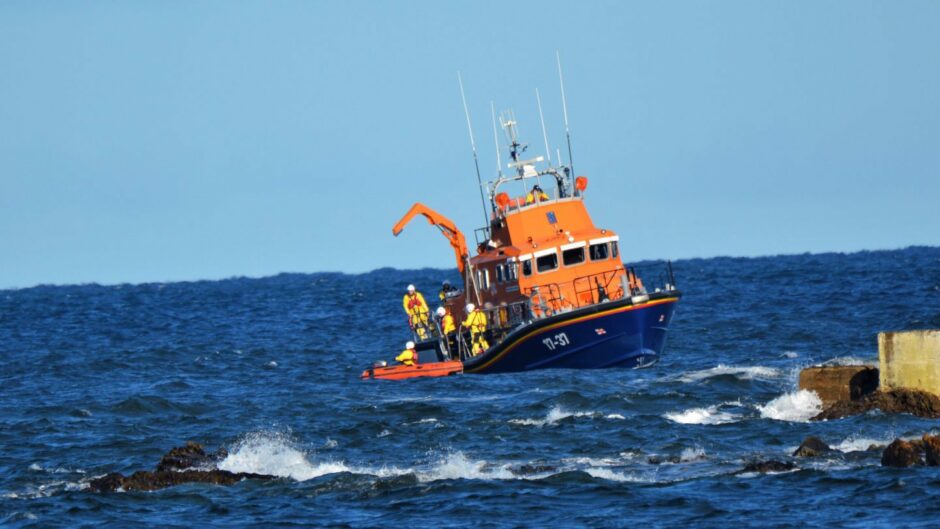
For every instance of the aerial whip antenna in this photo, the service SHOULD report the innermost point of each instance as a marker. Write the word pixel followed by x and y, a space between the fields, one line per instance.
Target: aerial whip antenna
pixel 544 134
pixel 499 163
pixel 473 146
pixel 564 106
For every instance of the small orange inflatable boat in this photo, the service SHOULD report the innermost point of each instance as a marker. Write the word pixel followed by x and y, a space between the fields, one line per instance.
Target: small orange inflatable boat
pixel 401 372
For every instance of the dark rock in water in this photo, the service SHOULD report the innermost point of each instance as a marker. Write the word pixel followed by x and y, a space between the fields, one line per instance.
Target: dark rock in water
pixel 812 447
pixel 901 453
pixel 190 456
pixel 147 481
pixel 526 469
pixel 183 464
pixel 932 449
pixel 769 466
pixel 659 460
pixel 912 401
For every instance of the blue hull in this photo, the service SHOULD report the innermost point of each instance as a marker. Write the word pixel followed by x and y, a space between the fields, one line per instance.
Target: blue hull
pixel 612 334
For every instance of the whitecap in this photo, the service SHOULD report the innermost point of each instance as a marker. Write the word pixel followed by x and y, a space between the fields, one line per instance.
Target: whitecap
pixel 456 465
pixel 275 455
pixel 796 406
pixel 554 415
pixel 711 415
pixel 692 454
pixel 860 444
pixel 613 475
pixel 741 372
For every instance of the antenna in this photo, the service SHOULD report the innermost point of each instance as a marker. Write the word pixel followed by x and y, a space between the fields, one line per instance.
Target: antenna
pixel 499 163
pixel 473 146
pixel 564 106
pixel 544 134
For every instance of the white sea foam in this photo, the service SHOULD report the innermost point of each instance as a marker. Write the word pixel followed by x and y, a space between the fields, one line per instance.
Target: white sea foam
pixel 796 406
pixel 850 361
pixel 615 416
pixel 741 372
pixel 554 415
pixel 274 454
pixel 790 354
pixel 860 444
pixel 458 466
pixel 692 454
pixel 710 415
pixel 612 475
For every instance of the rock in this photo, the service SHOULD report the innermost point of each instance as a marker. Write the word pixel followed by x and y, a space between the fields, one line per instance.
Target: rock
pixel 812 447
pixel 901 453
pixel 527 469
pixel 769 466
pixel 184 464
pixel 932 449
pixel 182 457
pixel 837 383
pixel 912 401
pixel 146 480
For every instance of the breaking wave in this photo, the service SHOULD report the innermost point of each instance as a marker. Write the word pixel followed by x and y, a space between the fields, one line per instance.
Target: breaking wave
pixel 558 413
pixel 275 454
pixel 710 415
pixel 796 406
pixel 742 372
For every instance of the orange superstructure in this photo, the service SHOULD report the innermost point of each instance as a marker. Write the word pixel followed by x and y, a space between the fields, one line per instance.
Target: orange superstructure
pixel 540 249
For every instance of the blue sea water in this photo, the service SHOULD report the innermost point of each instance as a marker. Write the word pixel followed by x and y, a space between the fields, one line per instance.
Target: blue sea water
pixel 97 379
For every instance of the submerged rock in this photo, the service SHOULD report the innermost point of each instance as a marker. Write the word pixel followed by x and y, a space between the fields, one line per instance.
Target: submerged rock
pixel 912 401
pixel 901 453
pixel 183 464
pixel 812 446
pixel 931 449
pixel 769 466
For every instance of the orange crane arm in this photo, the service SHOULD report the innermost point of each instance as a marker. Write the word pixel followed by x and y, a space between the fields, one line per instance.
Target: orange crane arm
pixel 447 227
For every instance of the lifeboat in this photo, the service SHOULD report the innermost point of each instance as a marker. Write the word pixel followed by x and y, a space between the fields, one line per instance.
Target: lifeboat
pixel 401 372
pixel 553 285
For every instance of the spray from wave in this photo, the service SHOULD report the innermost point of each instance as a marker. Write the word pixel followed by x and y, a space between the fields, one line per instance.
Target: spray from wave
pixel 796 406
pixel 275 454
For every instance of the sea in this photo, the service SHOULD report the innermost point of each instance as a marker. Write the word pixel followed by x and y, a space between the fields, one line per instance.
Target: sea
pixel 107 378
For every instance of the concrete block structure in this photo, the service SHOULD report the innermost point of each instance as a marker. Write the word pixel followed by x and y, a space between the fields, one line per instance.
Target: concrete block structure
pixel 909 359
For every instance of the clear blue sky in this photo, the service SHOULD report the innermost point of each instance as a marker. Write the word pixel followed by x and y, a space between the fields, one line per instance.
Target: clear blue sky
pixel 164 141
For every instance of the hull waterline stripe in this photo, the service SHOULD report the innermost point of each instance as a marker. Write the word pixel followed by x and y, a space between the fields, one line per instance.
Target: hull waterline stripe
pixel 628 308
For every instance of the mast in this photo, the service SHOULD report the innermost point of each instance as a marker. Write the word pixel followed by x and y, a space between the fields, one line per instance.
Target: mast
pixel 473 146
pixel 564 106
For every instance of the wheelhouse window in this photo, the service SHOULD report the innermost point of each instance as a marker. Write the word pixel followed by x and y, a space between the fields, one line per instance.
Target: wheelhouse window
pixel 512 271
pixel 573 256
pixel 546 263
pixel 613 249
pixel 499 274
pixel 527 267
pixel 599 252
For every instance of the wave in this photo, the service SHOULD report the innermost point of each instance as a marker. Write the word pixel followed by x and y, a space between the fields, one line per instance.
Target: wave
pixel 558 413
pixel 860 444
pixel 796 406
pixel 711 415
pixel 275 454
pixel 740 372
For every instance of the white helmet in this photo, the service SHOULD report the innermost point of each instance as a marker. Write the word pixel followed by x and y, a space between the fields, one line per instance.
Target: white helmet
pixel 446 283
pixel 410 345
pixel 470 307
pixel 441 311
pixel 411 288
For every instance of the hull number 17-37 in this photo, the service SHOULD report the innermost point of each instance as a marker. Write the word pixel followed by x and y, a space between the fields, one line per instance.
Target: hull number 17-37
pixel 559 340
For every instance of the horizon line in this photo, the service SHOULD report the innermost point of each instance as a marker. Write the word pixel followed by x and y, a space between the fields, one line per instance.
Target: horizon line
pixel 227 278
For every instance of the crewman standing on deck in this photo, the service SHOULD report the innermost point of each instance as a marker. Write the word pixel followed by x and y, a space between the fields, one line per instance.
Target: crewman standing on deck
pixel 409 356
pixel 476 322
pixel 536 195
pixel 447 321
pixel 417 310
